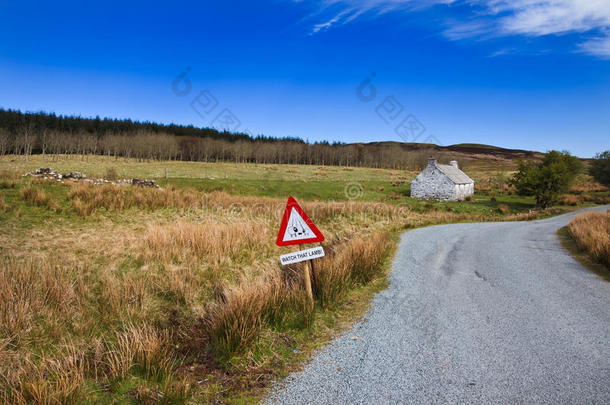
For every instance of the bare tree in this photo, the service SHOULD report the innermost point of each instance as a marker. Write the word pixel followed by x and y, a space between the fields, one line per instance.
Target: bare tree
pixel 24 141
pixel 5 142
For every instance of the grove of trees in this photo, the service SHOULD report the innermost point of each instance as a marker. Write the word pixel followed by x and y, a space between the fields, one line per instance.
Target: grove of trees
pixel 27 133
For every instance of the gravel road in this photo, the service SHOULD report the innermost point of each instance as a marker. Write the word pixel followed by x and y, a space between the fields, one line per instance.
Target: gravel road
pixel 475 313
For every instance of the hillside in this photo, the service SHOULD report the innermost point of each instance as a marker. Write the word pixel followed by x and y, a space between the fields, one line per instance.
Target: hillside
pixel 44 133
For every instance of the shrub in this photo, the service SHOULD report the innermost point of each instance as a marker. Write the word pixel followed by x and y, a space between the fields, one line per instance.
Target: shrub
pixel 590 232
pixel 545 180
pixel 111 174
pixel 503 209
pixel 600 168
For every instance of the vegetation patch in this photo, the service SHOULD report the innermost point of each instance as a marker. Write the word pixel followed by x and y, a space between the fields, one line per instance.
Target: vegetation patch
pixel 128 294
pixel 591 232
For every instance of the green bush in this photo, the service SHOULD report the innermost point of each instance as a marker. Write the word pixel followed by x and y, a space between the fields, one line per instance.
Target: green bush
pixel 546 179
pixel 600 168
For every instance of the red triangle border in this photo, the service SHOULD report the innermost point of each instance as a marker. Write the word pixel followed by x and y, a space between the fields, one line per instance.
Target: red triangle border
pixel 292 203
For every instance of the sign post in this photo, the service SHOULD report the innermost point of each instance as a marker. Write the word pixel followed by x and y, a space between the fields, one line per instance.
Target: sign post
pixel 297 229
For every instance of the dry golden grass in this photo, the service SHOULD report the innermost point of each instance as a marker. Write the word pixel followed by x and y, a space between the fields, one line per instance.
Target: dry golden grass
pixel 87 199
pixel 143 347
pixel 33 195
pixel 237 319
pixel 30 290
pixel 591 232
pixel 49 380
pixel 570 199
pixel 503 209
pixel 37 196
pixel 586 184
pixel 44 303
pixel 159 269
pixel 215 243
pixel 354 262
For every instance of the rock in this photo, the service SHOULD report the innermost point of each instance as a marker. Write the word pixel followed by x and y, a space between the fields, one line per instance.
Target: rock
pixel 74 175
pixel 49 174
pixel 143 183
pixel 45 170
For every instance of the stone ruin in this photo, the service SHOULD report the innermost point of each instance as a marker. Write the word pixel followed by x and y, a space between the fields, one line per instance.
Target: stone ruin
pixel 48 174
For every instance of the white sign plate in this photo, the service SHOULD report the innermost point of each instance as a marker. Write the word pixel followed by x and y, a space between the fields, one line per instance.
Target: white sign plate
pixel 302 255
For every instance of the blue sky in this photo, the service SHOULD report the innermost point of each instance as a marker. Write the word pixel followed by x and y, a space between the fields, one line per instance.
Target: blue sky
pixel 528 74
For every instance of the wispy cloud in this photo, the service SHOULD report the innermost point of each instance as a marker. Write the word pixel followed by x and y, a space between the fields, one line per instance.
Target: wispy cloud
pixel 599 46
pixel 589 19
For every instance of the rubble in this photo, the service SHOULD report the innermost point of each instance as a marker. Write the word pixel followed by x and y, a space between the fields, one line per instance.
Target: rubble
pixel 143 183
pixel 74 175
pixel 48 174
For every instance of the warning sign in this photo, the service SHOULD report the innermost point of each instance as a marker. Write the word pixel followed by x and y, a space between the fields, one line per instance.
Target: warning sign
pixel 296 227
pixel 302 255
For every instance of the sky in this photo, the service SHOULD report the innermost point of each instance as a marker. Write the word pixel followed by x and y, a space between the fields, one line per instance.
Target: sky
pixel 526 74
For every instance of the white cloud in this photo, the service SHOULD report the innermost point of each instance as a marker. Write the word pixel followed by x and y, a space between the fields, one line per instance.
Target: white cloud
pixel 599 46
pixel 588 18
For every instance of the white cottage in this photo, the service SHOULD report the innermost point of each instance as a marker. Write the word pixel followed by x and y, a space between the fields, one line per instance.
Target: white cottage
pixel 442 183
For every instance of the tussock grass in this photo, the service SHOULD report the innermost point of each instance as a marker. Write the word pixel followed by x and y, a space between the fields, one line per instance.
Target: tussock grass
pixel 8 178
pixel 46 308
pixel 50 380
pixel 591 232
pixel 357 261
pixel 185 241
pixel 143 347
pixel 280 302
pixel 31 289
pixel 126 288
pixel 36 196
pixel 570 199
pixel 87 199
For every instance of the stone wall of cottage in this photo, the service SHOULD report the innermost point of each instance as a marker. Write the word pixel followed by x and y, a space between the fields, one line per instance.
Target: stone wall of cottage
pixel 432 184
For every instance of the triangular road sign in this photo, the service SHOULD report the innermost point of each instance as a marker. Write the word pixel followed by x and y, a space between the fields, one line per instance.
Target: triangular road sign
pixel 296 227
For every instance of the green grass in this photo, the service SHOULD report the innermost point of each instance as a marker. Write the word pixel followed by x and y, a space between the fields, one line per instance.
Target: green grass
pixel 96 166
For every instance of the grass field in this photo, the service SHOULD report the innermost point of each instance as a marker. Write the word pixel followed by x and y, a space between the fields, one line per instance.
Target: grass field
pixel 121 294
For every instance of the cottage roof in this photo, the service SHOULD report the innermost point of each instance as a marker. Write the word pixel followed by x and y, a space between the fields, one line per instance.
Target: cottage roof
pixel 455 175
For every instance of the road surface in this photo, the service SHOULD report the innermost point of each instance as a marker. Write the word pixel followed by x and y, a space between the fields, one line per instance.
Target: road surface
pixel 475 313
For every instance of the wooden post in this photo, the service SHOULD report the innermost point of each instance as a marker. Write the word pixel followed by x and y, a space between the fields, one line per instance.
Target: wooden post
pixel 314 278
pixel 307 281
pixel 166 173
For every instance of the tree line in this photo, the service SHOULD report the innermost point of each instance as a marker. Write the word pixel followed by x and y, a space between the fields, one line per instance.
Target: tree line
pixel 42 133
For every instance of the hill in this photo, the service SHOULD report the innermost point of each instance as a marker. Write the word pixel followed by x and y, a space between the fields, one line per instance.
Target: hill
pixel 47 133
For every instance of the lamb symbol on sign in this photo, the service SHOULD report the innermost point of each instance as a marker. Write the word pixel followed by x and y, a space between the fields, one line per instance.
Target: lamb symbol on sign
pixel 296 230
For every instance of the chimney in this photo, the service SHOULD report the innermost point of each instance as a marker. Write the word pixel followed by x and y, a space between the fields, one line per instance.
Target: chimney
pixel 454 163
pixel 431 161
